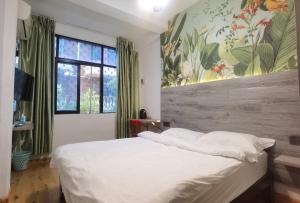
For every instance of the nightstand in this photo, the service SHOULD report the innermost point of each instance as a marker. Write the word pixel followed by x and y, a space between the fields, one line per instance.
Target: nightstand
pixel 28 126
pixel 288 161
pixel 140 125
pixel 285 193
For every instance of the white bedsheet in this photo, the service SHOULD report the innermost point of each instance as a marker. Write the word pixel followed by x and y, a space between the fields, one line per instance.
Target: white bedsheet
pixel 238 182
pixel 138 170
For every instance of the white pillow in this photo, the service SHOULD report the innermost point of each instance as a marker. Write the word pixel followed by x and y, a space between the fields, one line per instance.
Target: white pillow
pixel 250 144
pixel 182 134
pixel 266 142
pixel 221 150
pixel 203 148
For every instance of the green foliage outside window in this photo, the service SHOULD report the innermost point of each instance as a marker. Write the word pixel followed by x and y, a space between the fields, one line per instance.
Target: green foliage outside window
pixel 89 102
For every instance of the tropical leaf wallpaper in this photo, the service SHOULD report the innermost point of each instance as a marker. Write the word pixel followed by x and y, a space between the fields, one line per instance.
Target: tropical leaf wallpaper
pixel 224 39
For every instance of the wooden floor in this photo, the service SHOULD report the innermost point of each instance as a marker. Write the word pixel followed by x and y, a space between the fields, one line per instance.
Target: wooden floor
pixel 38 184
pixel 284 199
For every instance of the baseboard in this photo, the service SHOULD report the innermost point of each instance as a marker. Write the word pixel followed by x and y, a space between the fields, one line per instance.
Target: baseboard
pixel 286 194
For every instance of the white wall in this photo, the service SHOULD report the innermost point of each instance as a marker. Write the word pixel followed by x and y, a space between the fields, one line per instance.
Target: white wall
pixel 8 26
pixel 79 127
pixel 84 34
pixel 83 128
pixel 149 57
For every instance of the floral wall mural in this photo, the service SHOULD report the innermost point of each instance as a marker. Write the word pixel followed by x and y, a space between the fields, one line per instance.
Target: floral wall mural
pixel 224 39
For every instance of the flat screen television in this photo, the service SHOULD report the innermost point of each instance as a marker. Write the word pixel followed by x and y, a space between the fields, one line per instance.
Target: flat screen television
pixel 23 89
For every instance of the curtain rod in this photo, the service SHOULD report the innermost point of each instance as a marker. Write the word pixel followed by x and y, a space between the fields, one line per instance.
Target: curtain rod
pixel 42 15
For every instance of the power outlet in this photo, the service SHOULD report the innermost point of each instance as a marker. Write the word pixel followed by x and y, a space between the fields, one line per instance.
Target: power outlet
pixel 295 140
pixel 166 124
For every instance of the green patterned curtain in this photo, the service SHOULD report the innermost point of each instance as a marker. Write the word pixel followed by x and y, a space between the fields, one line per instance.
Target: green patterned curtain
pixel 128 86
pixel 37 59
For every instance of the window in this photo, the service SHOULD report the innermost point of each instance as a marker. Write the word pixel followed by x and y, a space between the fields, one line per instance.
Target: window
pixel 86 74
pixel 90 89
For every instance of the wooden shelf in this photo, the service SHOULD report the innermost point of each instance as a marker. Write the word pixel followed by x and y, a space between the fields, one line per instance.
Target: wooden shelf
pixel 140 125
pixel 288 161
pixel 25 127
pixel 149 121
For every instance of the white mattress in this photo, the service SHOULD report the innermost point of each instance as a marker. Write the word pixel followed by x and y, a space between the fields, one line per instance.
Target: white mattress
pixel 125 171
pixel 237 183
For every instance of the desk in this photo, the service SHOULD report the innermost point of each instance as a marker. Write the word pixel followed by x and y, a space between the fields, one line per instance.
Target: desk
pixel 20 157
pixel 28 126
pixel 140 125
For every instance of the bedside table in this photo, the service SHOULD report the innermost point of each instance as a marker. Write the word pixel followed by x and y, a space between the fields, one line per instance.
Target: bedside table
pixel 28 126
pixel 288 161
pixel 285 193
pixel 140 125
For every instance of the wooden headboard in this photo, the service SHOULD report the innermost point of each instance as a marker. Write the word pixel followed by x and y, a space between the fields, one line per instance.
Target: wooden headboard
pixel 266 106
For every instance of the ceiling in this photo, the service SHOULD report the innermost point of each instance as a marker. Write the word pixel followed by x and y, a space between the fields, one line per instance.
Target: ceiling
pixel 112 17
pixel 131 12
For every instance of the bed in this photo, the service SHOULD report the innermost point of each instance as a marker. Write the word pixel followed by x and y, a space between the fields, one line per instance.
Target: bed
pixel 155 168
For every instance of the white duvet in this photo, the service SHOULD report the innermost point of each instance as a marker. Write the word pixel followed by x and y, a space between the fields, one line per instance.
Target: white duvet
pixel 147 169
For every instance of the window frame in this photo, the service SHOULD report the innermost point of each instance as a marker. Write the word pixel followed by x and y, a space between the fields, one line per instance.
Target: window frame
pixel 78 63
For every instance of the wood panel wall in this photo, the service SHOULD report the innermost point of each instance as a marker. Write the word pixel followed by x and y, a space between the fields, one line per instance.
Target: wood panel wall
pixel 266 106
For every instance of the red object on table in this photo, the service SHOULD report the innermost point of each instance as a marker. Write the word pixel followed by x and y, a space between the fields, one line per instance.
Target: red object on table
pixel 135 122
pixel 135 127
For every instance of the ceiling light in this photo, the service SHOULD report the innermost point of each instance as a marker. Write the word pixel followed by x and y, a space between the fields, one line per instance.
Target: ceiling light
pixel 153 5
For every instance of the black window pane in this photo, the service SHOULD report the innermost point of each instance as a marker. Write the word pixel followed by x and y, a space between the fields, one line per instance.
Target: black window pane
pixel 68 48
pixel 109 89
pixel 55 44
pixel 85 52
pixel 109 56
pixel 89 53
pixel 77 50
pixel 96 54
pixel 66 87
pixel 89 89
